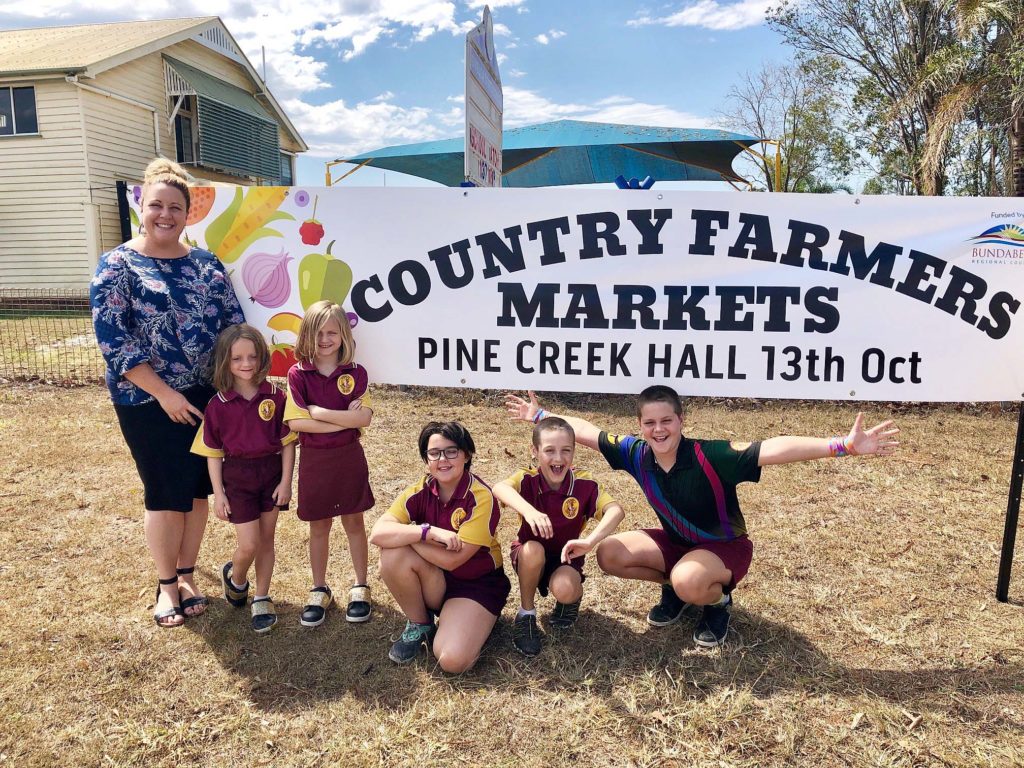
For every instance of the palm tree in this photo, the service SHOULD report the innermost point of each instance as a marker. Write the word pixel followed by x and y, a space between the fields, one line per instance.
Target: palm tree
pixel 981 76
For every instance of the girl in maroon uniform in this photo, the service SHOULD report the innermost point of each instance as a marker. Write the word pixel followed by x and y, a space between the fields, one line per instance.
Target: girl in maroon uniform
pixel 328 406
pixel 250 454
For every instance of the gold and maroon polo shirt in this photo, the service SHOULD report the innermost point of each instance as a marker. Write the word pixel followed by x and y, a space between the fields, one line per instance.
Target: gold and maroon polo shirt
pixel 472 512
pixel 580 498
pixel 307 386
pixel 244 429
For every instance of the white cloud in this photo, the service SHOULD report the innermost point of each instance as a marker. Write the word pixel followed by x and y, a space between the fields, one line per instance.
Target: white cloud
pixel 711 14
pixel 524 107
pixel 495 4
pixel 515 72
pixel 546 37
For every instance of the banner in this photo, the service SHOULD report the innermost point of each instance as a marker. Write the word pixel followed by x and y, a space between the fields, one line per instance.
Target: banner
pixel 721 294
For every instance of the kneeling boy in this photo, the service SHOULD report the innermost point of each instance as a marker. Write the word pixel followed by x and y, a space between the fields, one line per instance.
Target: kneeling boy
pixel 555 502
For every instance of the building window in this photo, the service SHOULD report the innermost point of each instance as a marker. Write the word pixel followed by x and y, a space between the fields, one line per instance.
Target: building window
pixel 286 170
pixel 184 135
pixel 18 110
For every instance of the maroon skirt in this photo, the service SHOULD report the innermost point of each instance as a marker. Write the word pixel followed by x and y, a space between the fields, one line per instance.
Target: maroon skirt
pixel 333 482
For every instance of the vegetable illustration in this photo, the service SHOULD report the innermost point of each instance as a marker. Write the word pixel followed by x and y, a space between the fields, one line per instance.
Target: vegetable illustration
pixel 321 276
pixel 282 358
pixel 202 201
pixel 244 222
pixel 285 321
pixel 312 231
pixel 265 276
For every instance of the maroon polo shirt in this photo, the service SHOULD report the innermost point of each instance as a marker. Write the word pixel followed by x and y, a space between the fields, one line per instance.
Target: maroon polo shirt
pixel 244 429
pixel 307 386
pixel 472 512
pixel 569 507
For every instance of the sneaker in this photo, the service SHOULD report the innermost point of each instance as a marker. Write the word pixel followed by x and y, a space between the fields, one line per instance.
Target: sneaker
pixel 526 635
pixel 565 614
pixel 713 625
pixel 359 606
pixel 234 595
pixel 264 617
pixel 407 647
pixel 315 610
pixel 669 610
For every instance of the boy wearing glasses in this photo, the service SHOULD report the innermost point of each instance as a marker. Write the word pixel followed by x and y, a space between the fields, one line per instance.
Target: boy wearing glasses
pixel 439 554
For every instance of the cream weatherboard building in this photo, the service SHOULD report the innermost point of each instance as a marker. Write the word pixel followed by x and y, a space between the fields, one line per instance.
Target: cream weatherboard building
pixel 83 107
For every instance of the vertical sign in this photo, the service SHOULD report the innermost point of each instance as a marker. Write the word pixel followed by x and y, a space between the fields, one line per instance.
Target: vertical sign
pixel 484 106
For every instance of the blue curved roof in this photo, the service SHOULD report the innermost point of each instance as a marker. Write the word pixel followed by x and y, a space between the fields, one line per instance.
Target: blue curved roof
pixel 577 152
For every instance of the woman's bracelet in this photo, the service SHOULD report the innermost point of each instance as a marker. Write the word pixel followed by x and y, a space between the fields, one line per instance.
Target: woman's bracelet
pixel 541 413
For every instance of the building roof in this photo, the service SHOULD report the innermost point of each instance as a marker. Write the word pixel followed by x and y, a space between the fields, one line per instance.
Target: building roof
pixel 89 49
pixel 81 47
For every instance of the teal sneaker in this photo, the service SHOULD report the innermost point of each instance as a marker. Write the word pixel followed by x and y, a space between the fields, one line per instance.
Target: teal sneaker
pixel 407 647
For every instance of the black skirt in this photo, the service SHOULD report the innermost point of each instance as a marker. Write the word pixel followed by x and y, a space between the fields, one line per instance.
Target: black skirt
pixel 172 476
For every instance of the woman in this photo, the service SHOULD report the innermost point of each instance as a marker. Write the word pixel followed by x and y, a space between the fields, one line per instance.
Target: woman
pixel 439 555
pixel 157 306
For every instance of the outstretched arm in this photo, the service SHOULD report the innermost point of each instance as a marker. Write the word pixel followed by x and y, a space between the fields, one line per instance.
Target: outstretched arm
pixel 527 410
pixel 879 440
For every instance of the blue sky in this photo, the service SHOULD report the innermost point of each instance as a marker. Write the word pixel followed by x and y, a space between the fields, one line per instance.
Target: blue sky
pixel 359 74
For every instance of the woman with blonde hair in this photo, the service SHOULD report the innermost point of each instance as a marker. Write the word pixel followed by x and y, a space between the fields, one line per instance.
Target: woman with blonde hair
pixel 157 307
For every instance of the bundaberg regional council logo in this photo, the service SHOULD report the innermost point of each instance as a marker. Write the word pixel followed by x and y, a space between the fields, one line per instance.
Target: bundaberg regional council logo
pixel 346 384
pixel 458 518
pixel 266 410
pixel 570 508
pixel 1002 244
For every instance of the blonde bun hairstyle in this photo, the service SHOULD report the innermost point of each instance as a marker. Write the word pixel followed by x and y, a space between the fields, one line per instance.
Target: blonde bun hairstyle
pixel 164 171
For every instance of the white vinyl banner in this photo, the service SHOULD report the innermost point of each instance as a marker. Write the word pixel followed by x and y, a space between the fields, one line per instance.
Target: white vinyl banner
pixel 721 294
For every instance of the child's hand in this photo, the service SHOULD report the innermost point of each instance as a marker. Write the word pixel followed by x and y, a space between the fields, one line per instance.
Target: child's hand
pixel 355 405
pixel 540 524
pixel 522 410
pixel 447 539
pixel 220 507
pixel 575 548
pixel 316 412
pixel 283 494
pixel 877 440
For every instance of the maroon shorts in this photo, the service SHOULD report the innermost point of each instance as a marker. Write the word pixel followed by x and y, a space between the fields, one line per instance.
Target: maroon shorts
pixel 333 481
pixel 735 554
pixel 552 562
pixel 249 485
pixel 490 591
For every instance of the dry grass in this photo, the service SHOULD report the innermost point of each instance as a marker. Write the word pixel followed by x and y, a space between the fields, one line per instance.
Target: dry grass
pixel 866 632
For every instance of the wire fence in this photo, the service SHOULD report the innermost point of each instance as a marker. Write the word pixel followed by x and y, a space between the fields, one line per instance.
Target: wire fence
pixel 46 335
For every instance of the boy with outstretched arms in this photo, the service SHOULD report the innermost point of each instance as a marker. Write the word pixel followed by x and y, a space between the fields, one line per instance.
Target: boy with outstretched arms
pixel 702 549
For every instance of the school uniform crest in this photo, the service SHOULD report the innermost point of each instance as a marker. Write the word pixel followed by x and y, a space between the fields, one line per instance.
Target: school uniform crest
pixel 346 384
pixel 266 409
pixel 570 508
pixel 458 518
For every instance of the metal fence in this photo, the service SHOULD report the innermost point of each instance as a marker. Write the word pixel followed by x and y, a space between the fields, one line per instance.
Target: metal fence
pixel 46 335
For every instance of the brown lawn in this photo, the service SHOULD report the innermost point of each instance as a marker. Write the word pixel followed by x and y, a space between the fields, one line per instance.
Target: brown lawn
pixel 866 633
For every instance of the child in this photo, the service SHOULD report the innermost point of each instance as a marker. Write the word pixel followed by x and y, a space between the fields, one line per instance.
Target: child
pixel 555 502
pixel 328 405
pixel 250 454
pixel 702 550
pixel 439 554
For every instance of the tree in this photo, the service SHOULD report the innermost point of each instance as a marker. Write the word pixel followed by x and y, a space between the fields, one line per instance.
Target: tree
pixel 800 106
pixel 884 45
pixel 981 77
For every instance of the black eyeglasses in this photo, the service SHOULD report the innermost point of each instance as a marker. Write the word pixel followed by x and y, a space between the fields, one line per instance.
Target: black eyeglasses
pixel 451 452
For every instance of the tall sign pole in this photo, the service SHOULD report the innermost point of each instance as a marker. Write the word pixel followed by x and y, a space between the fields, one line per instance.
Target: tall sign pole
pixel 484 106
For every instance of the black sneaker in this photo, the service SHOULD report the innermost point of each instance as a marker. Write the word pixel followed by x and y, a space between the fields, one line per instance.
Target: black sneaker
pixel 237 596
pixel 359 605
pixel 315 610
pixel 669 610
pixel 713 625
pixel 407 647
pixel 526 635
pixel 564 616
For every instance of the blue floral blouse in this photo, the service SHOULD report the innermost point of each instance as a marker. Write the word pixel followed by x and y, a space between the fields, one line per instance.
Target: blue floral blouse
pixel 165 312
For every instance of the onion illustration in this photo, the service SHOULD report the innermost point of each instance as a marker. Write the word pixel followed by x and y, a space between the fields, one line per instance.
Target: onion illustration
pixel 265 276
